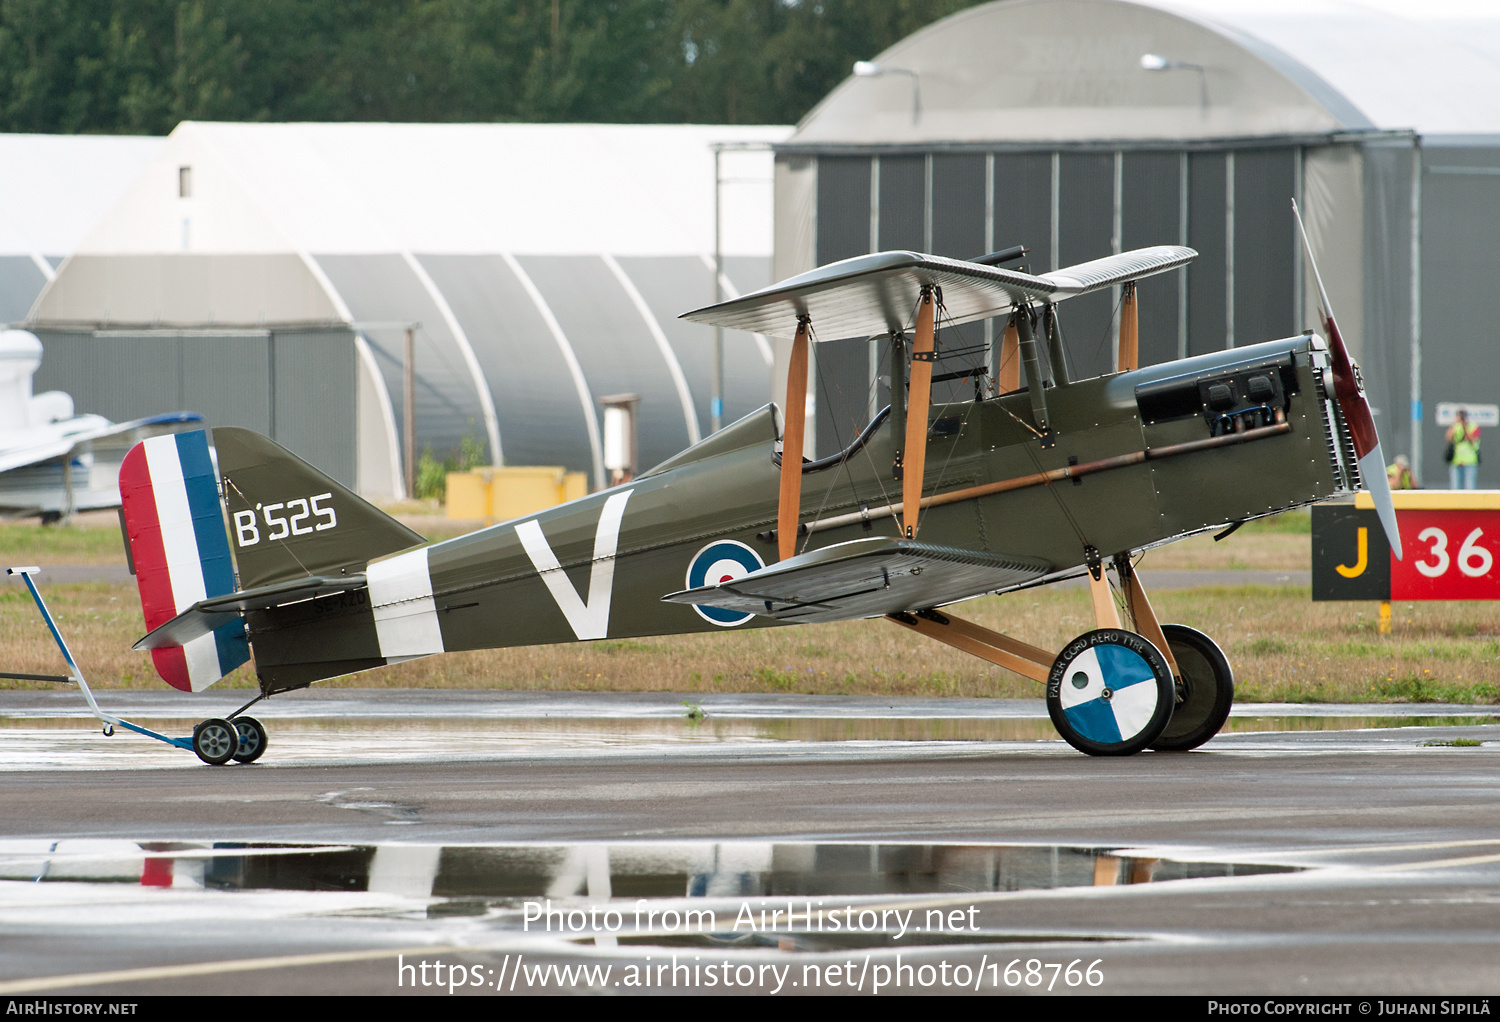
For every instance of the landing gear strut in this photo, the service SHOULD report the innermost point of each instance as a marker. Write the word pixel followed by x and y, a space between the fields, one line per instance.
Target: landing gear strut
pixel 1112 691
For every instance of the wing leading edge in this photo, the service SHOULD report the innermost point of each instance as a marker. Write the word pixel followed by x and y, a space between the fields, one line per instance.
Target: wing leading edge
pixel 877 293
pixel 865 578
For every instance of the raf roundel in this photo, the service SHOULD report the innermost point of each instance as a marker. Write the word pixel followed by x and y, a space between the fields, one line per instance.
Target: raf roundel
pixel 723 561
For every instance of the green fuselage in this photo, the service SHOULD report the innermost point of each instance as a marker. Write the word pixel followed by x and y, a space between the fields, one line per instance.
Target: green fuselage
pixel 488 589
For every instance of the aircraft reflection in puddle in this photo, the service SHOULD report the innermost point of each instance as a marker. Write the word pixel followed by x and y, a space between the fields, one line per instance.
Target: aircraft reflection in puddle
pixel 500 887
pixel 504 873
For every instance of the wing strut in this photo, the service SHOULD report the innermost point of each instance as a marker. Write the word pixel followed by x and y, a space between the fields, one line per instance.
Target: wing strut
pixel 789 508
pixel 1130 357
pixel 919 397
pixel 1055 353
pixel 1036 387
pixel 1010 358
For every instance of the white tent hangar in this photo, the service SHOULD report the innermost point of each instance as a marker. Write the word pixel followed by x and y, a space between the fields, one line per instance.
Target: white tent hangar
pixel 266 275
pixel 1081 127
pixel 56 188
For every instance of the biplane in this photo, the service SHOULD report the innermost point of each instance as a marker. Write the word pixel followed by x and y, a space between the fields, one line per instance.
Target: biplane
pixel 1042 478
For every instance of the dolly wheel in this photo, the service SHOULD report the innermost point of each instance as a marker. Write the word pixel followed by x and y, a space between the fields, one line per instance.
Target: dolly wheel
pixel 215 741
pixel 252 739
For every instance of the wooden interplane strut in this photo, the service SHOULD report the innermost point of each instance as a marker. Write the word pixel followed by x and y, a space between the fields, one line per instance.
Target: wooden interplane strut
pixel 1010 358
pixel 919 396
pixel 789 506
pixel 1130 355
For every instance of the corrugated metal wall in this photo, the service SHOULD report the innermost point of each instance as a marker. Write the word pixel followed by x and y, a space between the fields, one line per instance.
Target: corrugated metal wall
pixel 298 386
pixel 1070 207
pixel 1460 299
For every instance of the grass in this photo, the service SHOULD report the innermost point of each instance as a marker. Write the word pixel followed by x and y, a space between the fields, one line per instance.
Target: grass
pixel 93 538
pixel 1452 743
pixel 1280 543
pixel 1284 648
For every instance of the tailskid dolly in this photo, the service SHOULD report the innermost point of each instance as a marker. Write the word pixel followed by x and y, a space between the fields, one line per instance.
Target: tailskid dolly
pixel 215 741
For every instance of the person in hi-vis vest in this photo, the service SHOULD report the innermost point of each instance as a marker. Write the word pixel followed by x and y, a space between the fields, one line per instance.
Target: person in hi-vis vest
pixel 1463 464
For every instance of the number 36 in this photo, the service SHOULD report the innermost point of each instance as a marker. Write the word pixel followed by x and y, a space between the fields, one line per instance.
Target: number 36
pixel 1474 561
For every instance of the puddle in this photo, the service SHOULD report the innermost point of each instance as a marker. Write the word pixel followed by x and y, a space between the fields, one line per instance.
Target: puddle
pixel 787 896
pixel 1292 723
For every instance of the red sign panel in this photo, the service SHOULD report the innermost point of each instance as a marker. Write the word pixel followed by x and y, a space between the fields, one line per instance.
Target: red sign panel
pixel 1450 555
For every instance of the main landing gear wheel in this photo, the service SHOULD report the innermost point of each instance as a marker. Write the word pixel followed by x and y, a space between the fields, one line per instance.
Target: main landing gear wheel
pixel 1110 693
pixel 1209 690
pixel 252 739
pixel 215 741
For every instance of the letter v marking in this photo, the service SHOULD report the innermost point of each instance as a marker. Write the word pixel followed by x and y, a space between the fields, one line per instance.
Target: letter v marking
pixel 591 620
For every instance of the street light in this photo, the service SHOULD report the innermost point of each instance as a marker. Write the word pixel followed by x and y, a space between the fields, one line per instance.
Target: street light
pixel 1156 62
pixel 870 69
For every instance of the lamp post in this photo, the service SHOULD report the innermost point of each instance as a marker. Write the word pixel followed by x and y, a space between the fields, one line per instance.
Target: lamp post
pixel 870 69
pixel 1156 62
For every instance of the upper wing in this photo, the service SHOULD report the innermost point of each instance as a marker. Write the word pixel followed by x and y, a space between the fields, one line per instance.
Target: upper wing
pixel 876 294
pixel 865 578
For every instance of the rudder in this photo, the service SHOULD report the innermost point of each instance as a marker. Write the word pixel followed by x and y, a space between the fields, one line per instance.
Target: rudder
pixel 173 522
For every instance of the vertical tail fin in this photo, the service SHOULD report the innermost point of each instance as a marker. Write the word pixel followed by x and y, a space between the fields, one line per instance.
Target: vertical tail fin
pixel 175 526
pixel 289 520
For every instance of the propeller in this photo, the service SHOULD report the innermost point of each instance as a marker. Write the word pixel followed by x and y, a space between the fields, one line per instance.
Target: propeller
pixel 1349 391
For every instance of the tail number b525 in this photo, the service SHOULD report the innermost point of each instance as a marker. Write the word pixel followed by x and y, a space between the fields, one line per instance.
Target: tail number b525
pixel 289 518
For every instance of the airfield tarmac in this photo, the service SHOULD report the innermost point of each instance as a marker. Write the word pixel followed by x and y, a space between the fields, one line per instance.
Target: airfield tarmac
pixel 389 828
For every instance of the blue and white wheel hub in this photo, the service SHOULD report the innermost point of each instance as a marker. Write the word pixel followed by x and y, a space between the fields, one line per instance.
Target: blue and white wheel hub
pixel 722 561
pixel 1110 691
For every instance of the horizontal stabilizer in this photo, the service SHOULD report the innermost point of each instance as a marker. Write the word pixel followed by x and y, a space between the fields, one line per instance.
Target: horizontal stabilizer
pixel 865 578
pixel 877 293
pixel 207 615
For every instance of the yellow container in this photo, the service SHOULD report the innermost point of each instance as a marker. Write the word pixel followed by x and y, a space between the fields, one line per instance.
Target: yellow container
pixel 468 496
pixel 498 494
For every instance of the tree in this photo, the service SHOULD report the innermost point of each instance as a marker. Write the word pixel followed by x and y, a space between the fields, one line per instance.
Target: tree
pixel 142 66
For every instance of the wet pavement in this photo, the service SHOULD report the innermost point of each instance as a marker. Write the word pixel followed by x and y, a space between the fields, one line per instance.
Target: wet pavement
pixel 54 731
pixel 440 842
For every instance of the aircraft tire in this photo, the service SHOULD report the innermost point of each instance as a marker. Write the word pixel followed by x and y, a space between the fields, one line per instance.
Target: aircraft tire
pixel 252 739
pixel 215 741
pixel 1209 681
pixel 1110 693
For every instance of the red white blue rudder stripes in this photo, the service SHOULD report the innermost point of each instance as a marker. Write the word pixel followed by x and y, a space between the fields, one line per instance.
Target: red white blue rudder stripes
pixel 175 524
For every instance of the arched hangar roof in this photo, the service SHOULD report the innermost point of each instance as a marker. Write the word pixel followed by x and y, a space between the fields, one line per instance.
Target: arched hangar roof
pixel 56 187
pixel 545 264
pixel 1057 71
